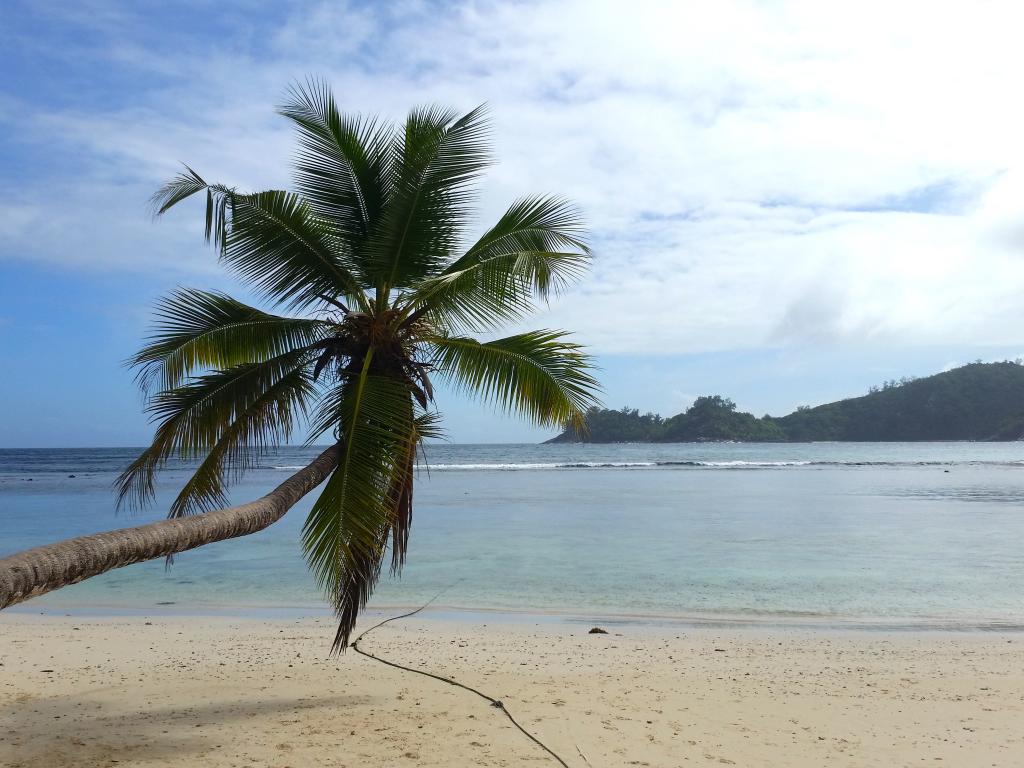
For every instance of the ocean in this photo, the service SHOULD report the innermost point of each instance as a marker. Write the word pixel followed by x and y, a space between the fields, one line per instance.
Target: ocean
pixel 914 535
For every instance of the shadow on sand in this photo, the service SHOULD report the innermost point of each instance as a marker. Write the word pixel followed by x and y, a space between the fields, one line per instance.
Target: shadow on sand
pixel 96 729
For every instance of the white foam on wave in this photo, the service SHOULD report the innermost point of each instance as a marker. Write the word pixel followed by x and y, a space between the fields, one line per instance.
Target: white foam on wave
pixel 505 467
pixel 753 463
pixel 560 465
pixel 666 464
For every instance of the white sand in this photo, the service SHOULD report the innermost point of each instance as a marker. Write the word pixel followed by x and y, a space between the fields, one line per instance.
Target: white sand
pixel 208 692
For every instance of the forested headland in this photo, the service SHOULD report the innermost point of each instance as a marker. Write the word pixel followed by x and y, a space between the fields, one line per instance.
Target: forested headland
pixel 978 401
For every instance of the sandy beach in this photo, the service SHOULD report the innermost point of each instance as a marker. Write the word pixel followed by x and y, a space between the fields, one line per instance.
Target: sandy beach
pixel 226 692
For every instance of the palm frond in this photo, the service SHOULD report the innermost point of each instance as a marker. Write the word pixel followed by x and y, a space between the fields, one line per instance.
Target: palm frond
pixel 267 420
pixel 494 292
pixel 434 162
pixel 345 535
pixel 188 183
pixel 538 374
pixel 271 239
pixel 275 242
pixel 539 223
pixel 194 419
pixel 341 164
pixel 534 251
pixel 425 426
pixel 197 330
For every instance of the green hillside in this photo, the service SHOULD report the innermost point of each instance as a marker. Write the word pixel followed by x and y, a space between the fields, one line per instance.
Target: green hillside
pixel 980 401
pixel 716 418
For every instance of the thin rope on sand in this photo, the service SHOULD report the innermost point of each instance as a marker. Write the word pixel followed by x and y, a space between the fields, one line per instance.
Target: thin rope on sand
pixel 496 703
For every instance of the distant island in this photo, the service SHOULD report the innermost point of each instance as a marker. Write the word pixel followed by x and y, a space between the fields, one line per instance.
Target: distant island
pixel 979 401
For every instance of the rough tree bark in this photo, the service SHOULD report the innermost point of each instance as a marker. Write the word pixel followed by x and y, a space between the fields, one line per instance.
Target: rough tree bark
pixel 36 571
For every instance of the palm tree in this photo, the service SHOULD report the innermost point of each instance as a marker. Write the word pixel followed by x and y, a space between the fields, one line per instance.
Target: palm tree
pixel 365 257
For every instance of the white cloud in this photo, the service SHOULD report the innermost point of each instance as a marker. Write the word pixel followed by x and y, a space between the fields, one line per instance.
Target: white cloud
pixel 736 160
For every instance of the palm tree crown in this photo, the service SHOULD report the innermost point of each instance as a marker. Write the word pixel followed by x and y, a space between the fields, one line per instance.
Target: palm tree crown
pixel 368 252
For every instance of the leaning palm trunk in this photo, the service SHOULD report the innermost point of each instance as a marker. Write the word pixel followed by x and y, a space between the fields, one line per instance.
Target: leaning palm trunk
pixel 44 569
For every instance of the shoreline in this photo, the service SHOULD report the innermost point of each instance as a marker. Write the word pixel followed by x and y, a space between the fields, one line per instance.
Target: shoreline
pixel 222 692
pixel 782 622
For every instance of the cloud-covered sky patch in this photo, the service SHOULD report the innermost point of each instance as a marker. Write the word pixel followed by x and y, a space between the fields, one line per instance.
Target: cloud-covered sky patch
pixel 757 176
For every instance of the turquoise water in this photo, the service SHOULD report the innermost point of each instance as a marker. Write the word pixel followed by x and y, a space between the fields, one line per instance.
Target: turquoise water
pixel 890 534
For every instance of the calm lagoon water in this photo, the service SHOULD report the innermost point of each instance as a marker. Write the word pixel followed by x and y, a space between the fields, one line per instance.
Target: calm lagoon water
pixel 916 535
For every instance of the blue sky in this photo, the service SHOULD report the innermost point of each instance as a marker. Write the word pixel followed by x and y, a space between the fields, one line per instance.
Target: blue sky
pixel 789 202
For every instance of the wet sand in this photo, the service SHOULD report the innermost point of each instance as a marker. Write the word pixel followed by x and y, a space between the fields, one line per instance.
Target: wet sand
pixel 184 691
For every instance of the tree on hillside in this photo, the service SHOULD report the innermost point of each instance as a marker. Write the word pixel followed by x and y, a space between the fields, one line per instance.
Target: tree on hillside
pixel 365 258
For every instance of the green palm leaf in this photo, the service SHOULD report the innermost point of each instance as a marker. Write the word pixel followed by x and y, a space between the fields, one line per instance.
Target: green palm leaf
pixel 271 239
pixel 535 250
pixel 543 224
pixel 434 162
pixel 426 426
pixel 274 242
pixel 341 164
pixel 267 419
pixel 195 418
pixel 200 330
pixel 538 374
pixel 188 183
pixel 346 532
